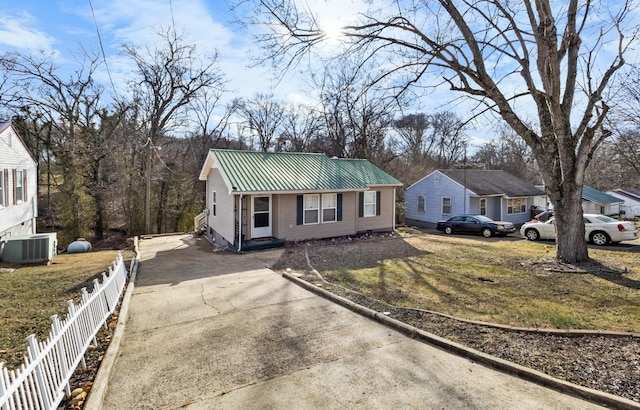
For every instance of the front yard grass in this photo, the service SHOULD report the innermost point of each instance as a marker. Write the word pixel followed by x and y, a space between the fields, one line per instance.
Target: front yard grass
pixel 515 283
pixel 31 294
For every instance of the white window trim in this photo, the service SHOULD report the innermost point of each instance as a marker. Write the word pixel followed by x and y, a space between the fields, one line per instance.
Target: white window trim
pixel 214 203
pixel 20 186
pixel 424 204
pixel 483 200
pixel 334 207
pixel 442 205
pixel 522 203
pixel 2 188
pixel 305 209
pixel 369 203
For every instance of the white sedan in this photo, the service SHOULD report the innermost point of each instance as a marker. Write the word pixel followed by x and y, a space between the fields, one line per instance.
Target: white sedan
pixel 599 230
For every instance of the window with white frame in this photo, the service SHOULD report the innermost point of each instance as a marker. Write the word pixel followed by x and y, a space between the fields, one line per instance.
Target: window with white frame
pixel 2 188
pixel 421 204
pixel 446 206
pixel 483 206
pixel 214 203
pixel 19 186
pixel 329 207
pixel 516 206
pixel 369 203
pixel 311 209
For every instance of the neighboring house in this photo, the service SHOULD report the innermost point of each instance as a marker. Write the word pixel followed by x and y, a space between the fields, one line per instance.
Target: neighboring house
pixel 593 202
pixel 598 202
pixel 444 193
pixel 630 208
pixel 293 196
pixel 18 190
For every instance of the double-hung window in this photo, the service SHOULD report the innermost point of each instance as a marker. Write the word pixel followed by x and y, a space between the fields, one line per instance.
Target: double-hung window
pixel 19 186
pixel 516 205
pixel 329 206
pixel 2 189
pixel 421 203
pixel 369 203
pixel 446 206
pixel 214 203
pixel 311 209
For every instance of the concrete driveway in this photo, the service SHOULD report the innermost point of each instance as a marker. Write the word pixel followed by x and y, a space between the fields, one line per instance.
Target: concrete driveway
pixel 214 330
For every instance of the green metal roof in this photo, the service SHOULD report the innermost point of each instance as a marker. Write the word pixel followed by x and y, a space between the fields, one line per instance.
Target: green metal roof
pixel 599 197
pixel 250 171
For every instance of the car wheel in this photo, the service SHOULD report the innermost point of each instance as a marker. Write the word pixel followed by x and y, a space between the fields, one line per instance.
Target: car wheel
pixel 448 230
pixel 532 234
pixel 599 238
pixel 486 232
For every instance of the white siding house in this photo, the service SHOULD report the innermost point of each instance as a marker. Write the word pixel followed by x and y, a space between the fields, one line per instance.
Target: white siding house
pixel 630 207
pixel 18 185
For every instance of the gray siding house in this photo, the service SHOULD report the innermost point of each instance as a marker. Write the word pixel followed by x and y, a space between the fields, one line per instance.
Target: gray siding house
pixel 252 197
pixel 444 193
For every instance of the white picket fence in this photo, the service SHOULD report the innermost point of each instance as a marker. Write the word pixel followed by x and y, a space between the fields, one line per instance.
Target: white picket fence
pixel 42 380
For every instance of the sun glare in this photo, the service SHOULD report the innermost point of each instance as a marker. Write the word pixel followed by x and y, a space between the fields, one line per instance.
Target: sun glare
pixel 332 30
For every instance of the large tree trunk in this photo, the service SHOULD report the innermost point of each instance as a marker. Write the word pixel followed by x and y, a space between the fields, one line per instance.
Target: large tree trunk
pixel 567 211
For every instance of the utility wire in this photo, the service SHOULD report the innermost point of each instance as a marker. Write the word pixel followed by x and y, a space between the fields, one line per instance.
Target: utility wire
pixel 173 20
pixel 104 56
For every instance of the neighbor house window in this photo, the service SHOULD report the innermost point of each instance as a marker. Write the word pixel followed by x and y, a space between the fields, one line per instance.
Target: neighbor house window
pixel 214 203
pixel 483 206
pixel 329 207
pixel 2 188
pixel 421 206
pixel 19 186
pixel 516 205
pixel 311 209
pixel 446 206
pixel 369 203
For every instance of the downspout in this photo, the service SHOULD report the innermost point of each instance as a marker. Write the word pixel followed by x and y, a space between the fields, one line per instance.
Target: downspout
pixel 240 224
pixel 393 213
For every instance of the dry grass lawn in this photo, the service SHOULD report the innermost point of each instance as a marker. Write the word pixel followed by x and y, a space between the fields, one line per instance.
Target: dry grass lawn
pixel 31 294
pixel 513 282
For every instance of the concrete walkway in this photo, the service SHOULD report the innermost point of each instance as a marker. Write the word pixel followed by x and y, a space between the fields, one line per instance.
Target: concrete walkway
pixel 209 330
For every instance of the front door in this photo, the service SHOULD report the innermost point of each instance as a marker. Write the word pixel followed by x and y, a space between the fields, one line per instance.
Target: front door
pixel 261 216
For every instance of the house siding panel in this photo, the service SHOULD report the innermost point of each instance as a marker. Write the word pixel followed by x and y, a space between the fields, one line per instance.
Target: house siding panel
pixel 17 218
pixel 381 222
pixel 223 222
pixel 434 187
pixel 287 228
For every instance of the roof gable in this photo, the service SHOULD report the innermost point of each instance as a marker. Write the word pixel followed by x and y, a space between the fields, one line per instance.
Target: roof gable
pixel 13 135
pixel 492 182
pixel 251 171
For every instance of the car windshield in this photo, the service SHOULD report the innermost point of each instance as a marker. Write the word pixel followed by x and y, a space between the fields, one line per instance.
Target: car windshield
pixel 483 218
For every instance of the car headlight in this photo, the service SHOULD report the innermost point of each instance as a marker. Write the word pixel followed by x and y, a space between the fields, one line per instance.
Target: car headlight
pixel 500 226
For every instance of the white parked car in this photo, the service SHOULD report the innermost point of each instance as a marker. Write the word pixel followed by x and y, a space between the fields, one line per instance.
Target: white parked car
pixel 599 230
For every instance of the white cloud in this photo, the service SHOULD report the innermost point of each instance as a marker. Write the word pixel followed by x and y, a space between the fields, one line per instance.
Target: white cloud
pixel 19 31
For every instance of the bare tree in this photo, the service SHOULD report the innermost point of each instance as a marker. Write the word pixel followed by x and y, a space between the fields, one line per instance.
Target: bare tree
pixel 557 58
pixel 263 114
pixel 70 107
pixel 508 153
pixel 301 127
pixel 166 80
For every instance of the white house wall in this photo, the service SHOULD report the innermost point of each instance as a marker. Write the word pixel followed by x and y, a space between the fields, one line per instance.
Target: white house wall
pixel 17 218
pixel 630 209
pixel 222 222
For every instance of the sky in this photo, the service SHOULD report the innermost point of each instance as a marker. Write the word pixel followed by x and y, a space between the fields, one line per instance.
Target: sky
pixel 61 27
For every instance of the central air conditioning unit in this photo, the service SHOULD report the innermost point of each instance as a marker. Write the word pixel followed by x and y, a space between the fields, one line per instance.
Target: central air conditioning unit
pixel 30 248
